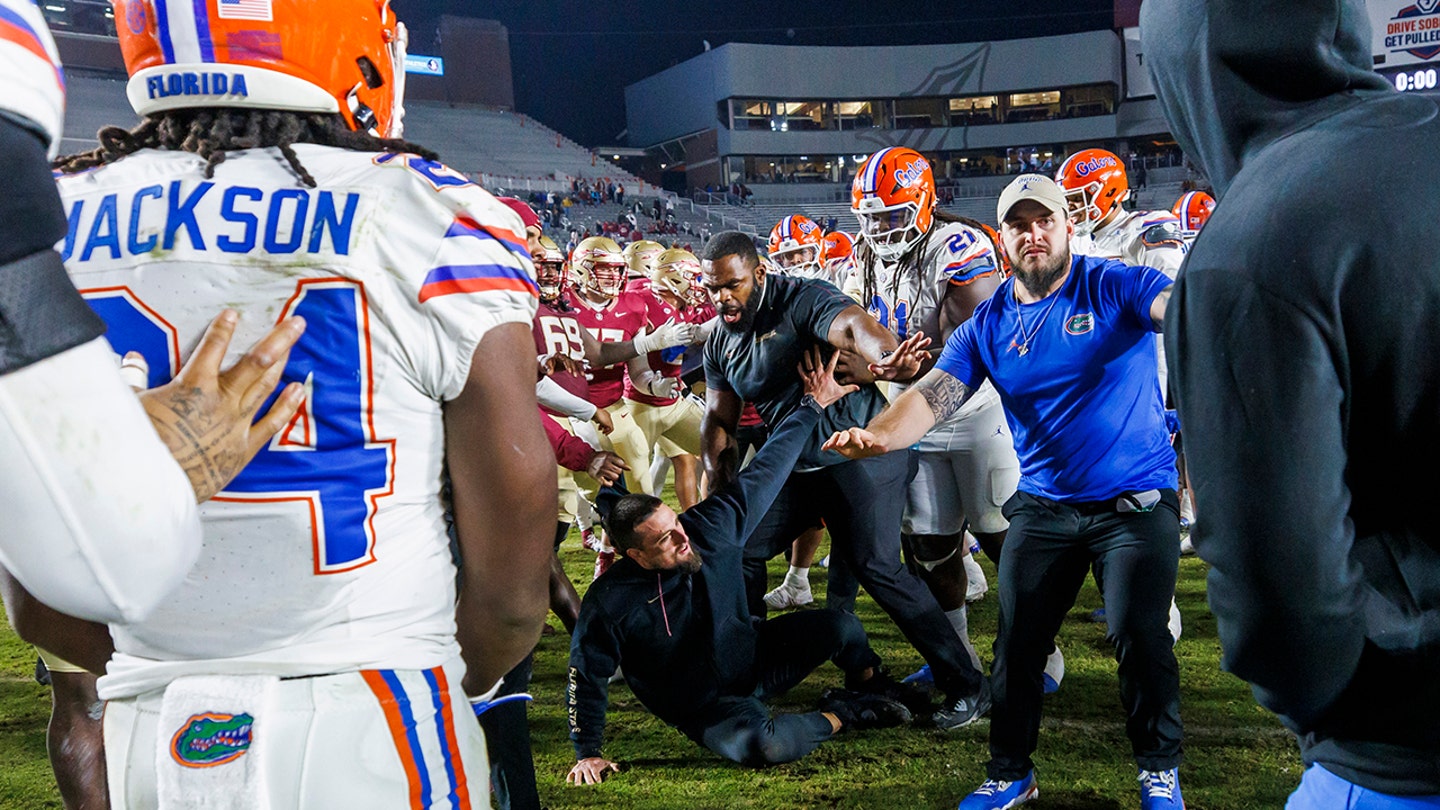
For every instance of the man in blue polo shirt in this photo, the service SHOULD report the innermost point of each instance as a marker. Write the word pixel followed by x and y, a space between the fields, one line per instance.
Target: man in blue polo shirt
pixel 1068 344
pixel 767 324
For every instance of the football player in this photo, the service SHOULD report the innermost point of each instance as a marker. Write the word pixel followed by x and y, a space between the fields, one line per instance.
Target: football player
pixel 838 257
pixel 640 257
pixel 1192 209
pixel 796 247
pixel 321 652
pixel 669 419
pixel 920 269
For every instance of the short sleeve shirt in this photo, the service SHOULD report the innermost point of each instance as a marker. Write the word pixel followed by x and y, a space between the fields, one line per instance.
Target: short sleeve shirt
pixel 1083 402
pixel 760 365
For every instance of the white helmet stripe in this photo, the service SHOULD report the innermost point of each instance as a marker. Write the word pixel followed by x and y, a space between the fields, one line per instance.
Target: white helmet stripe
pixel 184 31
pixel 785 227
pixel 872 170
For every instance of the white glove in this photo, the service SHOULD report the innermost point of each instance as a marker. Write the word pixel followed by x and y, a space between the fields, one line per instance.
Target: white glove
pixel 666 335
pixel 667 387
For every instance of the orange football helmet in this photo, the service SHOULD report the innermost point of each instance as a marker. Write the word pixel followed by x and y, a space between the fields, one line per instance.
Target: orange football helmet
pixel 894 198
pixel 327 56
pixel 795 245
pixel 677 271
pixel 599 266
pixel 1094 183
pixel 550 270
pixel 839 248
pixel 641 256
pixel 1193 208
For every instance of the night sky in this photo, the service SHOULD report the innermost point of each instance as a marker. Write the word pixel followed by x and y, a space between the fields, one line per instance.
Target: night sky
pixel 572 60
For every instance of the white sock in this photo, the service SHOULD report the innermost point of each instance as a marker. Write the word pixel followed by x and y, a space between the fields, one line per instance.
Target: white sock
pixel 960 620
pixel 798 577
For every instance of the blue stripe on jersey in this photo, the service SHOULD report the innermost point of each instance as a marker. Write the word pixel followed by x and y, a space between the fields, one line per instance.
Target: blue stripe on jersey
pixel 162 19
pixel 444 742
pixel 456 272
pixel 460 228
pixel 402 700
pixel 202 30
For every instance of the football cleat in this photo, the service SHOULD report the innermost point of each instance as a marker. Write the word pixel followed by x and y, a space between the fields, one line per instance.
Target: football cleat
pixel 787 597
pixel 921 677
pixel 1160 790
pixel 915 697
pixel 1054 671
pixel 957 714
pixel 861 710
pixel 997 794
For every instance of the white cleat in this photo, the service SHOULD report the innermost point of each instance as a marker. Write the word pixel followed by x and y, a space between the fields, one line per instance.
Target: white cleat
pixel 976 587
pixel 787 597
pixel 1054 671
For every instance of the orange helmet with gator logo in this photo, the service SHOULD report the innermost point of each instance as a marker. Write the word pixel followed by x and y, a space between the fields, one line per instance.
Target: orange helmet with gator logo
pixel 796 245
pixel 1193 208
pixel 894 198
pixel 1094 184
pixel 325 56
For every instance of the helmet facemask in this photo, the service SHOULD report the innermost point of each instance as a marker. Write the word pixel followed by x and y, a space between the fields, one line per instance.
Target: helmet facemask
pixel 1083 207
pixel 606 278
pixel 890 231
pixel 795 259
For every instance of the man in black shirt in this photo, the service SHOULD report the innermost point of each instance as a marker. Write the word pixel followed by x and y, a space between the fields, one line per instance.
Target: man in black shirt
pixel 768 322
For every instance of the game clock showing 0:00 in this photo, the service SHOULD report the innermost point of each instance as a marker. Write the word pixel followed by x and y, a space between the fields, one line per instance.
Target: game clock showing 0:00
pixel 1415 80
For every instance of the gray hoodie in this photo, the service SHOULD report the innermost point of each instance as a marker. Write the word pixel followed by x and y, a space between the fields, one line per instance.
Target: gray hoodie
pixel 1304 342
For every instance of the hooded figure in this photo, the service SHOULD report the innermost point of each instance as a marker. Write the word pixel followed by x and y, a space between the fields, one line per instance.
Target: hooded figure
pixel 1302 338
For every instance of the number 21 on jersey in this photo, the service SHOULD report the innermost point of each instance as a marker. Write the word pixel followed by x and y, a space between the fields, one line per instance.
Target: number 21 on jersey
pixel 329 457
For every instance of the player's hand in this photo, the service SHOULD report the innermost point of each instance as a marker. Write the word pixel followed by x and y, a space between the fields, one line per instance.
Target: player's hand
pixel 606 467
pixel 671 333
pixel 668 387
pixel 855 443
pixel 603 421
pixel 905 362
pixel 207 416
pixel 852 368
pixel 818 377
pixel 591 771
pixel 560 361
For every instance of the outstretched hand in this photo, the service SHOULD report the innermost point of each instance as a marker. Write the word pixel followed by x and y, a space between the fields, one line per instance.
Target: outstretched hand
pixel 206 416
pixel 818 377
pixel 591 771
pixel 906 362
pixel 855 442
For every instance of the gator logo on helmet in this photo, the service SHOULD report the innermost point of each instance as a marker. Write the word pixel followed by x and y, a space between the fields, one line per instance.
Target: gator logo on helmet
pixel 212 738
pixel 1094 164
pixel 911 174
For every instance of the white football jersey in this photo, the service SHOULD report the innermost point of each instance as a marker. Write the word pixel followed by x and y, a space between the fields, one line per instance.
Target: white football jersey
pixel 329 552
pixel 908 301
pixel 30 70
pixel 1151 238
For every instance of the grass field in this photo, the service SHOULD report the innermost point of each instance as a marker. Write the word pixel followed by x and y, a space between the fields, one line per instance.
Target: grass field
pixel 1238 757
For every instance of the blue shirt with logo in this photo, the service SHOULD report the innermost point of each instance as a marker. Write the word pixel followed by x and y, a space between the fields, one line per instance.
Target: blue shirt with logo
pixel 1084 401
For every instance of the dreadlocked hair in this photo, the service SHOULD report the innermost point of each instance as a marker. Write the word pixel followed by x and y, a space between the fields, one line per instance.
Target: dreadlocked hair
pixel 214 132
pixel 865 257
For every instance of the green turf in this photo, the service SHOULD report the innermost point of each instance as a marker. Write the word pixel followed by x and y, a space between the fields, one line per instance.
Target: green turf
pixel 1237 755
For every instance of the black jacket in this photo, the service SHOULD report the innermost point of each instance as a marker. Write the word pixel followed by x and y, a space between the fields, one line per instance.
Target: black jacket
pixel 1304 343
pixel 684 639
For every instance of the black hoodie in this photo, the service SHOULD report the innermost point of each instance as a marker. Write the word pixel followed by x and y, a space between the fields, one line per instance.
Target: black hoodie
pixel 1304 344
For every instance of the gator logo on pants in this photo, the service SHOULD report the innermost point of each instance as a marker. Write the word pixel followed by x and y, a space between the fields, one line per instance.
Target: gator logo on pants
pixel 210 739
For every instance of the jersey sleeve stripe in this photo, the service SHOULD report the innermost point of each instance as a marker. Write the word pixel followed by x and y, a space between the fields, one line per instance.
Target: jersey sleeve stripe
pixel 465 226
pixel 462 278
pixel 14 29
pixel 972 269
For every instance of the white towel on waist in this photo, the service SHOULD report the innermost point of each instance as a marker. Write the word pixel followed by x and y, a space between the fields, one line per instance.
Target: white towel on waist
pixel 210 739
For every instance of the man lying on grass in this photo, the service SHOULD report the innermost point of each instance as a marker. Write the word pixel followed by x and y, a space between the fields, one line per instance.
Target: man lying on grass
pixel 681 628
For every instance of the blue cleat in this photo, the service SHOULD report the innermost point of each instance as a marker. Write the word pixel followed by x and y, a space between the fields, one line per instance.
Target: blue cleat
pixel 1054 671
pixel 1000 795
pixel 1160 790
pixel 921 677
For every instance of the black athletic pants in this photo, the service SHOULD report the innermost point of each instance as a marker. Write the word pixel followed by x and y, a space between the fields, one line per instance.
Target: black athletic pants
pixel 788 648
pixel 1048 550
pixel 861 502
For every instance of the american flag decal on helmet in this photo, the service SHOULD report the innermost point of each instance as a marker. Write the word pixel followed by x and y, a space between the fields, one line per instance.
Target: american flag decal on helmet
pixel 246 10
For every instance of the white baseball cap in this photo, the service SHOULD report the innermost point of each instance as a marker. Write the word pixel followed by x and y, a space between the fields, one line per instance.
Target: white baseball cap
pixel 1035 187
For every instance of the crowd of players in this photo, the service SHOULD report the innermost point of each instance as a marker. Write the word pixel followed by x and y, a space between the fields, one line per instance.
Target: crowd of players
pixel 378 547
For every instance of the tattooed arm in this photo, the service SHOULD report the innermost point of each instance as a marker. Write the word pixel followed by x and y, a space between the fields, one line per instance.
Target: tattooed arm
pixel 937 396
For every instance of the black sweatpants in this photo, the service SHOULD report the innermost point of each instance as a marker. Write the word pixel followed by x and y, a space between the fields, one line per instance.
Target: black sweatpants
pixel 861 502
pixel 1048 550
pixel 787 650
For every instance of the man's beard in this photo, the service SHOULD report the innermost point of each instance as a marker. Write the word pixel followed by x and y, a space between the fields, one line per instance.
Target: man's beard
pixel 1038 281
pixel 690 564
pixel 747 314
